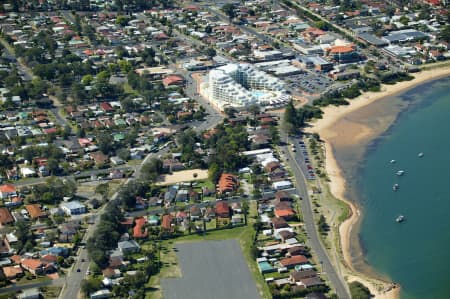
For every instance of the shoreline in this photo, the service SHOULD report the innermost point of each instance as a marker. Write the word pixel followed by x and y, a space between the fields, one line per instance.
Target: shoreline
pixel 338 185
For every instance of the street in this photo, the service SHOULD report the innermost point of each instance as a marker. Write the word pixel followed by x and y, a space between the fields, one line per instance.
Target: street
pixel 315 243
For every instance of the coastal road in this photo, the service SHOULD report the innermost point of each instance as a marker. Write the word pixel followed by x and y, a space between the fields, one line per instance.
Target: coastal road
pixel 315 243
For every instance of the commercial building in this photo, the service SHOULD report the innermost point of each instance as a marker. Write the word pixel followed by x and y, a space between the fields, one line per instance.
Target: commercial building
pixel 241 85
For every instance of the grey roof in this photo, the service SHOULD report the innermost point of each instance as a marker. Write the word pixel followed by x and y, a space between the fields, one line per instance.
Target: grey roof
pixel 372 39
pixel 72 205
pixel 132 244
pixel 405 35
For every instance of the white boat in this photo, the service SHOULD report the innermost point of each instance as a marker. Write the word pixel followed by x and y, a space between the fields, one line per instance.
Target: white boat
pixel 420 155
pixel 395 187
pixel 392 161
pixel 400 172
pixel 400 218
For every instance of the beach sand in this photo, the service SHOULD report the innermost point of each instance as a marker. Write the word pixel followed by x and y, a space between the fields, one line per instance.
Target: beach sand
pixel 349 132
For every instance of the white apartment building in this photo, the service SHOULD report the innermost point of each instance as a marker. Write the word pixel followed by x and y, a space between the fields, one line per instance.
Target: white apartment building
pixel 240 85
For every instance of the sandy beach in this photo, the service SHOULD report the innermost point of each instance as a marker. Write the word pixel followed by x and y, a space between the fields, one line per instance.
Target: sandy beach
pixel 354 133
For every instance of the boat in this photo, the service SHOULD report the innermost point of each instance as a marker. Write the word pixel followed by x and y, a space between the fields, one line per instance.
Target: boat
pixel 392 161
pixel 400 218
pixel 400 172
pixel 420 155
pixel 395 187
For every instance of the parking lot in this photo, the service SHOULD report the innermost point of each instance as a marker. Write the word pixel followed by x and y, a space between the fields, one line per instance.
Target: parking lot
pixel 211 269
pixel 309 82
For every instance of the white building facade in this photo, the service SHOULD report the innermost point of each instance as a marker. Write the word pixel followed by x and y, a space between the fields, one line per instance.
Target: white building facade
pixel 241 85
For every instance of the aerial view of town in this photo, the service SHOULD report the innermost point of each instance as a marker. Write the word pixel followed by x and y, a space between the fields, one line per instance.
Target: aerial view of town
pixel 167 149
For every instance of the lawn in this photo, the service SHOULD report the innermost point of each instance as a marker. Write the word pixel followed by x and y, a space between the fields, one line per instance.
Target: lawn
pixel 51 291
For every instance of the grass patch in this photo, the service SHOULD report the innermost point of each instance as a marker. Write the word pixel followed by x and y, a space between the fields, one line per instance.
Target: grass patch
pixel 169 269
pixel 38 279
pixel 51 291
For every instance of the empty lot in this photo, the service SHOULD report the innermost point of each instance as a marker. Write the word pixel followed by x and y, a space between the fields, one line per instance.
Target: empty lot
pixel 211 269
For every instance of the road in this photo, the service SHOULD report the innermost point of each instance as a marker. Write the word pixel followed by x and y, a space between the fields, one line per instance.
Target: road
pixel 15 288
pixel 315 243
pixel 93 172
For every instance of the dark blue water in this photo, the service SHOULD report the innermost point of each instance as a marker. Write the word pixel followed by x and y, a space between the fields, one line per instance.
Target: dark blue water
pixel 415 253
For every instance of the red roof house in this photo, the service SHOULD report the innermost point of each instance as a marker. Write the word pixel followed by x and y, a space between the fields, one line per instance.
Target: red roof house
pixel 7 190
pixel 173 80
pixel 222 209
pixel 294 261
pixel 166 223
pixel 138 230
pixel 227 183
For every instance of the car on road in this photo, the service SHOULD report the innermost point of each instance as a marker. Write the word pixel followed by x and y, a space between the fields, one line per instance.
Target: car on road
pixel 83 260
pixel 78 270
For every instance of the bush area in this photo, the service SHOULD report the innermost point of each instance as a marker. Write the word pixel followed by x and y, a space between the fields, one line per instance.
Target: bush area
pixel 359 291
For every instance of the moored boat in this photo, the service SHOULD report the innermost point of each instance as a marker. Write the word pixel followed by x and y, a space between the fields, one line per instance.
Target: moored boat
pixel 400 218
pixel 420 155
pixel 400 172
pixel 395 187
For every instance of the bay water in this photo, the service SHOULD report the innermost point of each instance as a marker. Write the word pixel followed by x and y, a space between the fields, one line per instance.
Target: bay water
pixel 416 252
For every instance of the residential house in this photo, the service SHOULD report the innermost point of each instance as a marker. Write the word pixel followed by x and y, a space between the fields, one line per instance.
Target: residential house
pixel 284 212
pixel 7 190
pixel 282 196
pixel 236 207
pixel 116 174
pixel 182 196
pixel 99 158
pixel 34 266
pixel 173 80
pixel 286 235
pixel 67 232
pixel 296 250
pixel 166 223
pixel 5 217
pixel 227 183
pixel 297 276
pixel 101 294
pixel 116 160
pixel 35 212
pixel 278 223
pixel 309 282
pixel 139 230
pixel 73 207
pixel 130 246
pixel 291 262
pixel 12 272
pixel 5 246
pixel 195 212
pixel 30 294
pixel 222 209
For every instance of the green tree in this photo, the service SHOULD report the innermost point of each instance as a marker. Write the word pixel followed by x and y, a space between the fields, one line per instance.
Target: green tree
pixel 359 291
pixel 90 285
pixel 445 33
pixel 229 10
pixel 105 143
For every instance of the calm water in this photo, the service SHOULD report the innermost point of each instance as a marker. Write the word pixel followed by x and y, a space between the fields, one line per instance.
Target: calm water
pixel 415 253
